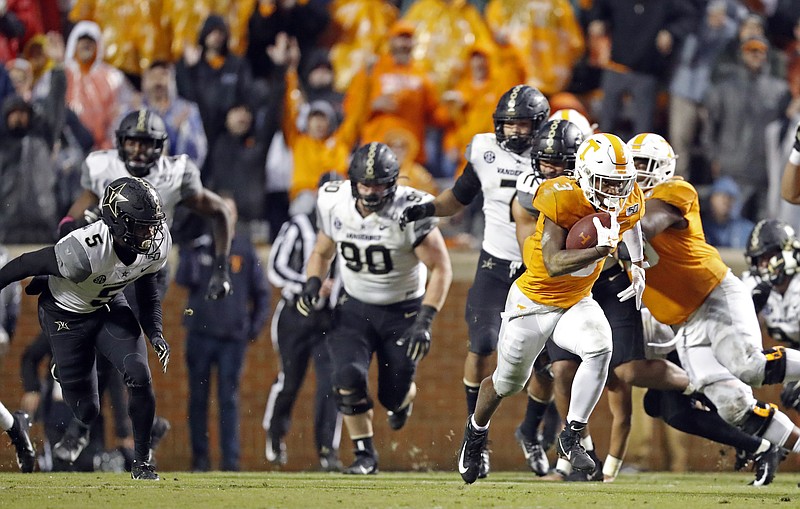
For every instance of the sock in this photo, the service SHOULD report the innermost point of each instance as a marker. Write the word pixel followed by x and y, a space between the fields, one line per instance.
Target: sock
pixel 6 419
pixel 472 396
pixel 711 426
pixel 587 443
pixel 534 413
pixel 141 409
pixel 765 444
pixel 475 425
pixel 363 446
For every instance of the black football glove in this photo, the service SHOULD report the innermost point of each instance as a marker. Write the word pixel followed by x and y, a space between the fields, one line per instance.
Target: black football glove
pixel 161 347
pixel 416 212
pixel 309 296
pixel 761 294
pixel 790 396
pixel 219 286
pixel 417 338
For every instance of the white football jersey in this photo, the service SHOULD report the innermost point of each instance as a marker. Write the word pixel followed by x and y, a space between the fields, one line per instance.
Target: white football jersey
pixel 497 170
pixel 781 312
pixel 376 258
pixel 91 272
pixel 175 178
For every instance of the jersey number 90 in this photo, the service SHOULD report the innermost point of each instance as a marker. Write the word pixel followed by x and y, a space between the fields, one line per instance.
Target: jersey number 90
pixel 377 259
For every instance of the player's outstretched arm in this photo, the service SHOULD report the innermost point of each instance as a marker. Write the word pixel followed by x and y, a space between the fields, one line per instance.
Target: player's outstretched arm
pixel 444 205
pixel 790 180
pixel 35 263
pixel 660 216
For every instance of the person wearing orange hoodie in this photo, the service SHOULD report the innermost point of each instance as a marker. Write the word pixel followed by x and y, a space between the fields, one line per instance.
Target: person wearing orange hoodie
pixel 399 93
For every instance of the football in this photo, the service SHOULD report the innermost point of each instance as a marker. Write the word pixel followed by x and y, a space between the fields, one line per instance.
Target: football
pixel 583 234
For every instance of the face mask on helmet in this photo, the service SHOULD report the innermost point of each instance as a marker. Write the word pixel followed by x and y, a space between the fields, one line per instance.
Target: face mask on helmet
pixel 605 171
pixel 375 166
pixel 141 139
pixel 773 251
pixel 653 158
pixel 554 148
pixel 131 208
pixel 524 109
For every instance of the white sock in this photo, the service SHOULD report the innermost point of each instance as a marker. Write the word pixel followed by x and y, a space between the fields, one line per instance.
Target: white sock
pixel 6 419
pixel 478 428
pixel 587 443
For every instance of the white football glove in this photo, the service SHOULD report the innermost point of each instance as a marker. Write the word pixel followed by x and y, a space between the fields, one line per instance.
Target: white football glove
pixel 607 237
pixel 636 289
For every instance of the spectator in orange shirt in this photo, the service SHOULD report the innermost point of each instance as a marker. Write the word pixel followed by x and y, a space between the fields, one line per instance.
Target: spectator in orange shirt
pixel 399 93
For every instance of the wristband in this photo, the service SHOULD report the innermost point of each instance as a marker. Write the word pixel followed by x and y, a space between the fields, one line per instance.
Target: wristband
pixel 794 157
pixel 221 262
pixel 314 283
pixel 611 466
pixel 428 209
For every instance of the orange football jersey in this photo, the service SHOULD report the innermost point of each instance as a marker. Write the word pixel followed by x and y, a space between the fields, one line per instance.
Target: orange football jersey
pixel 688 268
pixel 563 202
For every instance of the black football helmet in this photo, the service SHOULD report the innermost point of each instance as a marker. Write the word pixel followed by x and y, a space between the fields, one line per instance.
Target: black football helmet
pixel 374 164
pixel 131 207
pixel 556 142
pixel 148 128
pixel 520 103
pixel 774 239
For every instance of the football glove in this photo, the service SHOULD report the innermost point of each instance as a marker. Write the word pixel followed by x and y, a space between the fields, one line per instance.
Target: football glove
pixel 636 289
pixel 416 212
pixel 790 396
pixel 219 286
pixel 417 338
pixel 760 295
pixel 309 297
pixel 161 347
pixel 92 214
pixel 607 237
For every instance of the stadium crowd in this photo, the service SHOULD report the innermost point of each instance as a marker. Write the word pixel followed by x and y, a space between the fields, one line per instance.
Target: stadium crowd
pixel 266 104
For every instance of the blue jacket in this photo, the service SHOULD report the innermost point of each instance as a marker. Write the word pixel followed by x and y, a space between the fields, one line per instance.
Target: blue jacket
pixel 239 316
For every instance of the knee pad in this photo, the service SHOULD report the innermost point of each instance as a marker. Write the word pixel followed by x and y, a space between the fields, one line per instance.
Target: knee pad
pixel 354 403
pixel 775 370
pixel 758 418
pixel 85 406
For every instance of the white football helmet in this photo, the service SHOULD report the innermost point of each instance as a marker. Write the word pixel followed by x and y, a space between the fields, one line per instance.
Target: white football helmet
pixel 659 156
pixel 605 171
pixel 577 118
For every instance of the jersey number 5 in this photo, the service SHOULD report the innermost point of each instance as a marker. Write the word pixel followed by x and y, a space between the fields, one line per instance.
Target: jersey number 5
pixel 106 294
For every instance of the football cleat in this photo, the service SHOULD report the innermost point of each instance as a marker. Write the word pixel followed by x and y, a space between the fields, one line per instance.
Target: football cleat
pixel 72 444
pixel 595 475
pixel 766 465
pixel 26 455
pixel 570 448
pixel 144 470
pixel 275 451
pixel 534 454
pixel 365 464
pixel 329 460
pixel 470 456
pixel 742 459
pixel 398 419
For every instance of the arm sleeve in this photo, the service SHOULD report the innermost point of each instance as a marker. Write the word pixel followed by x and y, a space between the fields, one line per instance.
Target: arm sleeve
pixel 467 186
pixel 149 305
pixel 633 241
pixel 41 262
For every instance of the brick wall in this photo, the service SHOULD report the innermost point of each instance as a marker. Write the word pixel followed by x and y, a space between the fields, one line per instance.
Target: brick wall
pixel 429 440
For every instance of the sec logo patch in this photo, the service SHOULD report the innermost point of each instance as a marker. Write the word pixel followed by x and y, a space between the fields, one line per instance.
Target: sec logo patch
pixel 488 156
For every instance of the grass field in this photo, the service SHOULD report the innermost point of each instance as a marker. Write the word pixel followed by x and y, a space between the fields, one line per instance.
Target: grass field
pixel 424 490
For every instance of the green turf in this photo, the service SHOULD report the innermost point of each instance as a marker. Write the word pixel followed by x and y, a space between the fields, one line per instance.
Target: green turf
pixel 438 489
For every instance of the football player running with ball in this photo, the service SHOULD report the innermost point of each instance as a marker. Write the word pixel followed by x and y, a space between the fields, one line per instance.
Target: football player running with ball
pixel 386 308
pixel 552 299
pixel 82 309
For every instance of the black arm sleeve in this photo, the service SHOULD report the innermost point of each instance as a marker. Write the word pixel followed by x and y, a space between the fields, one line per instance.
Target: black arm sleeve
pixel 149 305
pixel 467 186
pixel 35 263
